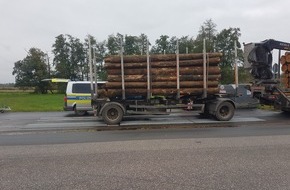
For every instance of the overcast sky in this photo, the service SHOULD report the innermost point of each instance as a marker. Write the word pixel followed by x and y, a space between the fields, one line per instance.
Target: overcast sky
pixel 36 23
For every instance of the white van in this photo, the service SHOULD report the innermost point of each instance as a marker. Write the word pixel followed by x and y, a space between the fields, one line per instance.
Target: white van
pixel 78 96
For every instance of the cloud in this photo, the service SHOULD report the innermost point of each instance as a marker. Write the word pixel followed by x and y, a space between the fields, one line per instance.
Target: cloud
pixel 34 23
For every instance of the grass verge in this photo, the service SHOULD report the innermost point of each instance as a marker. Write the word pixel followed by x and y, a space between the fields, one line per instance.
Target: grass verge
pixel 27 102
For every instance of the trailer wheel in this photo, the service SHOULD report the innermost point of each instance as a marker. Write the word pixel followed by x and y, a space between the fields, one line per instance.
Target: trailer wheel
pixel 112 114
pixel 225 111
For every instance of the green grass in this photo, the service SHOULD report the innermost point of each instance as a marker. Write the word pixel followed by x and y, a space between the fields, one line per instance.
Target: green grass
pixel 27 102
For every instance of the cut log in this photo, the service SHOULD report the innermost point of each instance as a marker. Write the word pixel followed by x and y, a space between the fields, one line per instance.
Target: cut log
pixel 184 84
pixel 185 63
pixel 163 71
pixel 162 92
pixel 156 78
pixel 212 70
pixel 127 78
pixel 283 59
pixel 287 57
pixel 159 57
pixel 286 68
pixel 155 85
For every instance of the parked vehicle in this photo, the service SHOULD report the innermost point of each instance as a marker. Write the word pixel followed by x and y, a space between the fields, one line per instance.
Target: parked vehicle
pixel 78 96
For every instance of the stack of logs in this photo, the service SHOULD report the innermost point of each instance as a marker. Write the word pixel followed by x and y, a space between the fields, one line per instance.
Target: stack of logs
pixel 163 74
pixel 285 61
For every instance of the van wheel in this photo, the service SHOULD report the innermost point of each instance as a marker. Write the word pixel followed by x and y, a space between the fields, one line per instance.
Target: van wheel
pixel 80 112
pixel 225 111
pixel 112 114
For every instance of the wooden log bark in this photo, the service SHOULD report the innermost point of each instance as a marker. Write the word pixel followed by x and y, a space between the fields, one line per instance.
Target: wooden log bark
pixel 212 70
pixel 283 59
pixel 285 68
pixel 156 78
pixel 156 85
pixel 162 92
pixel 159 57
pixel 287 57
pixel 285 80
pixel 184 63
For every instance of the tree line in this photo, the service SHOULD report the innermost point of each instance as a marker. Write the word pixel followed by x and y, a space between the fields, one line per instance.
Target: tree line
pixel 70 54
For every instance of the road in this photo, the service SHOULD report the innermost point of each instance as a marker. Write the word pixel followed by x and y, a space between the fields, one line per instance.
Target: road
pixel 242 154
pixel 40 121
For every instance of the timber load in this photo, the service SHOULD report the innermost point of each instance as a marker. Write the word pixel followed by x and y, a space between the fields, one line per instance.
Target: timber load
pixel 285 62
pixel 163 75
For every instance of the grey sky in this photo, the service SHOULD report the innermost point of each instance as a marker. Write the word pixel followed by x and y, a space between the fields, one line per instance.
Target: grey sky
pixel 36 23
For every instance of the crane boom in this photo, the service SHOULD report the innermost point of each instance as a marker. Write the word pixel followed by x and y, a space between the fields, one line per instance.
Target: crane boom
pixel 258 57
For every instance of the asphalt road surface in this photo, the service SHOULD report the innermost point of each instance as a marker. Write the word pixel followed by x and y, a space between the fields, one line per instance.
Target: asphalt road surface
pixel 250 152
pixel 40 121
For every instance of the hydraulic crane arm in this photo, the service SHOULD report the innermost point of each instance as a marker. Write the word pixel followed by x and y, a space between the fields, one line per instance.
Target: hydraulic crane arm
pixel 258 57
pixel 273 44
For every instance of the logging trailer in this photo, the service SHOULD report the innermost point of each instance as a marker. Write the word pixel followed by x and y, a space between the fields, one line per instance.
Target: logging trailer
pixel 112 107
pixel 266 86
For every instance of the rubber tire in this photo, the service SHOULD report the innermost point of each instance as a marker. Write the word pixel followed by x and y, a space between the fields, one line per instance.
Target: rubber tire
pixel 225 111
pixel 80 112
pixel 112 114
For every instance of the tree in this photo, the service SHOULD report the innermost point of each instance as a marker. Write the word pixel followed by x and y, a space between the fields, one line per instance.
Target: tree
pixel 225 41
pixel 100 55
pixel 32 70
pixel 172 44
pixel 186 44
pixel 143 43
pixel 77 58
pixel 114 44
pixel 61 57
pixel 206 32
pixel 69 57
pixel 131 45
pixel 100 50
pixel 162 45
